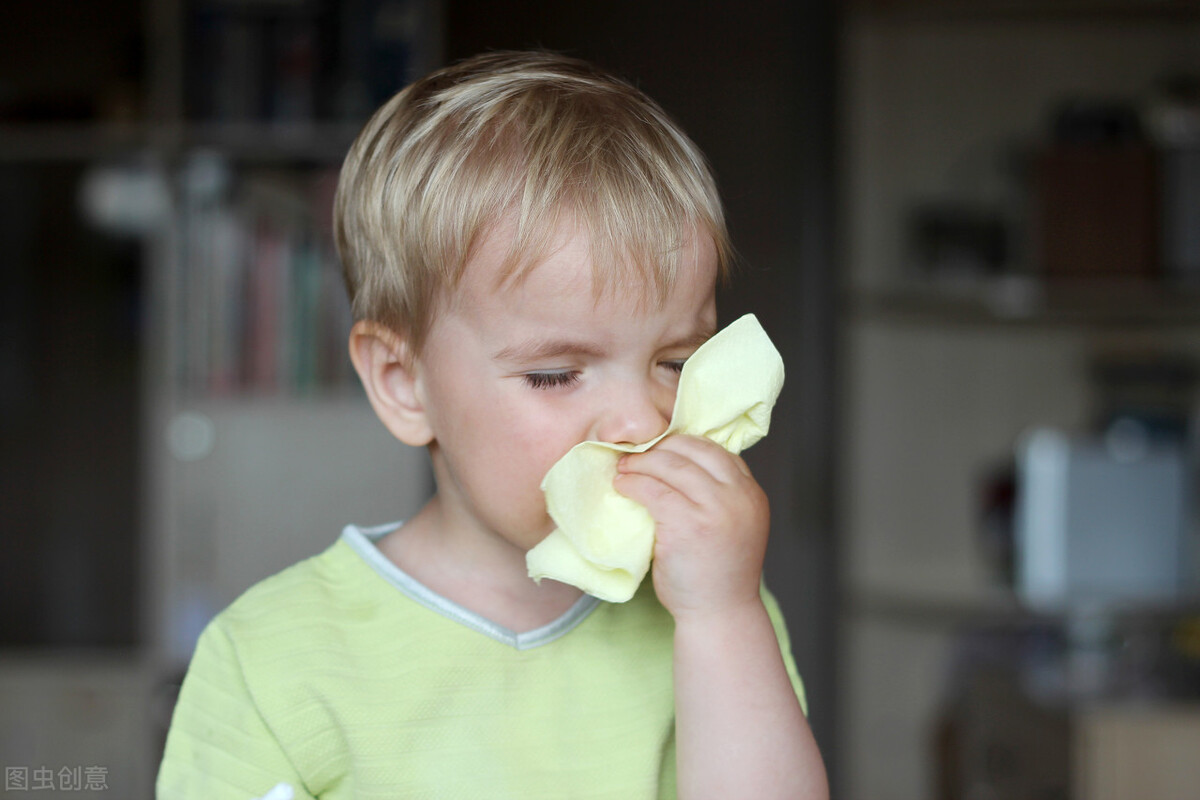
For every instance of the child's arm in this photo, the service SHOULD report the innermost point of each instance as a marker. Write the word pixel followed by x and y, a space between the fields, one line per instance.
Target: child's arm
pixel 740 731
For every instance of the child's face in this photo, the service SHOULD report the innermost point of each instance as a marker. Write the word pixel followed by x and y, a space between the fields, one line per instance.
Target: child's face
pixel 513 378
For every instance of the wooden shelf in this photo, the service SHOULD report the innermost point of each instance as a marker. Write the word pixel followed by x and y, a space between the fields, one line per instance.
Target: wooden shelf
pixel 1101 304
pixel 997 607
pixel 320 142
pixel 1028 10
pixel 324 142
pixel 69 141
pixel 935 611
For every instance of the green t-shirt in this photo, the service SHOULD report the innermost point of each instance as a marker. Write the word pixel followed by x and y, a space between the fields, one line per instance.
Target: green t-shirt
pixel 346 678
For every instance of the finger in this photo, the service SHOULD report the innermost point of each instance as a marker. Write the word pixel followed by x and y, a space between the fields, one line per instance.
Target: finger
pixel 677 470
pixel 660 499
pixel 716 460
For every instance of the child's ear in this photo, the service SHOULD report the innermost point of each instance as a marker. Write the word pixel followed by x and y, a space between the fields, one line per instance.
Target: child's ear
pixel 388 372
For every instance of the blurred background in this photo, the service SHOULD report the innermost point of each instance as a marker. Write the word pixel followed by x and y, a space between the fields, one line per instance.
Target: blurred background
pixel 972 228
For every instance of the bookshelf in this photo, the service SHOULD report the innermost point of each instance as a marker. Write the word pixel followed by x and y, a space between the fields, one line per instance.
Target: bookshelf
pixel 259 440
pixel 192 425
pixel 945 106
pixel 256 304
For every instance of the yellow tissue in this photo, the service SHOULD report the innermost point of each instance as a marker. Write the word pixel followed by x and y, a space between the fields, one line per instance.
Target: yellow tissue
pixel 604 540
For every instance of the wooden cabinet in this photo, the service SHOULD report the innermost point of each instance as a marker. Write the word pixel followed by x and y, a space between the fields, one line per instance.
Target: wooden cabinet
pixel 1146 752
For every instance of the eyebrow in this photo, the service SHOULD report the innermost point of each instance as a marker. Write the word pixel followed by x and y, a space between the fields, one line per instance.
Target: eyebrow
pixel 540 349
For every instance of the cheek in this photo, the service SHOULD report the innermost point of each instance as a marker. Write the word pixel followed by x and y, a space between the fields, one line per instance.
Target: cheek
pixel 505 438
pixel 534 453
pixel 518 441
pixel 541 429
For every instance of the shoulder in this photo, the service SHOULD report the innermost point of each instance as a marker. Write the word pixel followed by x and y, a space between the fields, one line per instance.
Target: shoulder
pixel 301 610
pixel 306 588
pixel 308 631
pixel 249 702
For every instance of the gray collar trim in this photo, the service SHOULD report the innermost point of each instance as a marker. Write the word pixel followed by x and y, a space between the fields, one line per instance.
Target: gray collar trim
pixel 362 541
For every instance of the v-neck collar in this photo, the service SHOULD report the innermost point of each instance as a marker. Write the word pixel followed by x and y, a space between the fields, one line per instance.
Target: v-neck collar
pixel 363 542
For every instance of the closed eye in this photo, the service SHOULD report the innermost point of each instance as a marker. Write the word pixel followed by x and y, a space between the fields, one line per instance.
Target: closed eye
pixel 550 380
pixel 675 364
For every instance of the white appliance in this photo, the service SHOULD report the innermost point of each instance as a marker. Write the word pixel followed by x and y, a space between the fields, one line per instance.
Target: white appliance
pixel 1102 522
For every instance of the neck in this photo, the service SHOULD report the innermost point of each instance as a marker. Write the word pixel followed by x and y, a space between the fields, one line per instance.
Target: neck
pixel 484 574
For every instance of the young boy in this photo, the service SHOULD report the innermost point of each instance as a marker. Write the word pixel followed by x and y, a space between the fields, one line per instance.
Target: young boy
pixel 532 249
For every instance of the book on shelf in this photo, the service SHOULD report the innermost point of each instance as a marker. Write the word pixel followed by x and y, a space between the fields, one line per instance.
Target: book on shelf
pixel 258 306
pixel 299 61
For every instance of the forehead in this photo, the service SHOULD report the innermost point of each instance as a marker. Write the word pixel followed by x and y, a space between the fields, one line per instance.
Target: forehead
pixel 555 306
pixel 566 266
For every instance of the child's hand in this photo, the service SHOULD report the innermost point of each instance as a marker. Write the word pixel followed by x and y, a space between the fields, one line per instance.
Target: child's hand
pixel 711 519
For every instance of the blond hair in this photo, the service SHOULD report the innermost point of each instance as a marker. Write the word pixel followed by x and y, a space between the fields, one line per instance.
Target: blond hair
pixel 535 138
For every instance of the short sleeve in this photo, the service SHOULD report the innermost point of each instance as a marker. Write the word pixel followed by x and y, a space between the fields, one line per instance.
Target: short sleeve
pixel 785 645
pixel 219 746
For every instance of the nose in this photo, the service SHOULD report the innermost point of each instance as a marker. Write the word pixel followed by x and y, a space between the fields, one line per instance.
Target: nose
pixel 634 412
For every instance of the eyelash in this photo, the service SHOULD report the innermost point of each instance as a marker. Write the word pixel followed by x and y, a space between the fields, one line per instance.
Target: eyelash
pixel 559 380
pixel 550 380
